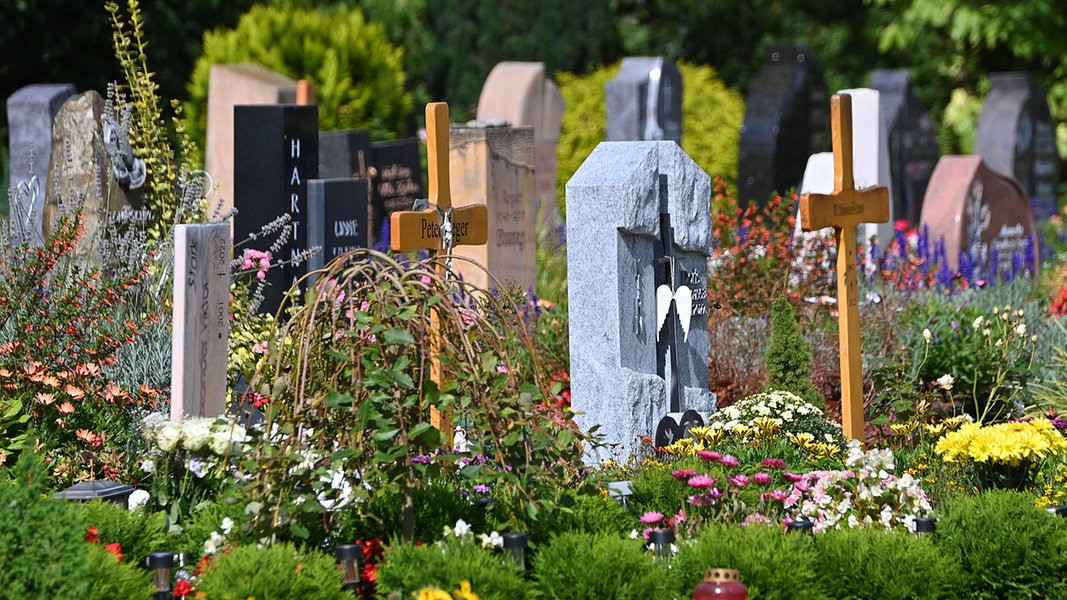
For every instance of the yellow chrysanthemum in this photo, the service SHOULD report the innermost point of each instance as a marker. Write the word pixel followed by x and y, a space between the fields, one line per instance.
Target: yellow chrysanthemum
pixel 464 592
pixel 432 594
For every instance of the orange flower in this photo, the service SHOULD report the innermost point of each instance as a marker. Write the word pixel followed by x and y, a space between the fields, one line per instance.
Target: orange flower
pixel 112 393
pixel 115 549
pixel 5 374
pixel 50 381
pixel 93 536
pixel 89 437
pixel 45 399
pixel 9 347
pixel 34 370
pixel 75 392
pixel 87 370
pixel 66 408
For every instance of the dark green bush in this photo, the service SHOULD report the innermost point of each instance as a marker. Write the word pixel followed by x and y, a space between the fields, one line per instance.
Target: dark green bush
pixel 773 564
pixel 276 571
pixel 1008 547
pixel 653 488
pixel 357 73
pixel 581 566
pixel 869 563
pixel 139 532
pixel 788 357
pixel 491 574
pixel 109 579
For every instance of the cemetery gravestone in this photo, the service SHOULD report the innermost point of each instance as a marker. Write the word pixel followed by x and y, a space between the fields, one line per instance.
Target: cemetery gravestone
pixel 398 179
pixel 870 160
pixel 337 218
pixel 494 166
pixel 620 258
pixel 844 209
pixel 981 214
pixel 30 114
pixel 275 154
pixel 519 93
pixel 913 143
pixel 1017 137
pixel 786 121
pixel 345 153
pixel 231 85
pixel 644 101
pixel 202 254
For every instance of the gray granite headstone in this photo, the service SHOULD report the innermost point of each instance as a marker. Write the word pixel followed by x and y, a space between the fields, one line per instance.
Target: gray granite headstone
pixel 337 218
pixel 1017 137
pixel 345 153
pixel 201 312
pixel 614 239
pixel 30 114
pixel 913 143
pixel 787 119
pixel 644 101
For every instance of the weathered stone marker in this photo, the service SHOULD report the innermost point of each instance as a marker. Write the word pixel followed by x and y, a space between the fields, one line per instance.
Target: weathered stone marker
pixel 202 254
pixel 844 209
pixel 438 229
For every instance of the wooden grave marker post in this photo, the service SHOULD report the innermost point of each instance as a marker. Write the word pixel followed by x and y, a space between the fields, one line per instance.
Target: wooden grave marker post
pixel 438 229
pixel 844 209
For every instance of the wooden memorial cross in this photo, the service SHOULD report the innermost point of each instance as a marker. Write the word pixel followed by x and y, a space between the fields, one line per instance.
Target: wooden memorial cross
pixel 437 229
pixel 844 209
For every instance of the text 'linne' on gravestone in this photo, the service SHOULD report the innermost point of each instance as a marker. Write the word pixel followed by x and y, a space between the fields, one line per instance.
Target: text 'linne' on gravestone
pixel 622 284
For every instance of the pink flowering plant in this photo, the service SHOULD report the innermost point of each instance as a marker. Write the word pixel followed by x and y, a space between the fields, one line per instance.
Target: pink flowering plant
pixel 865 494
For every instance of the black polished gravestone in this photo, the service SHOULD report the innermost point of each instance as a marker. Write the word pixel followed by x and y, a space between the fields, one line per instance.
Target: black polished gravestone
pixel 787 119
pixel 345 153
pixel 913 144
pixel 1017 137
pixel 337 218
pixel 275 153
pixel 398 181
pixel 644 101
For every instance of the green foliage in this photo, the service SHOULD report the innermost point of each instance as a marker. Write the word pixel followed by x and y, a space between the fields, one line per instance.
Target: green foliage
pixel 42 550
pixel 773 564
pixel 788 357
pixel 276 571
pixel 1008 547
pixel 877 565
pixel 711 116
pixel 357 73
pixel 491 574
pixel 581 565
pixel 140 532
pixel 198 527
pixel 109 578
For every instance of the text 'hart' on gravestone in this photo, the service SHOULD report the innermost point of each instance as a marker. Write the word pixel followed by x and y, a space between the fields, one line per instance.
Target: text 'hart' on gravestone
pixel 201 312
pixel 614 241
pixel 276 152
pixel 786 121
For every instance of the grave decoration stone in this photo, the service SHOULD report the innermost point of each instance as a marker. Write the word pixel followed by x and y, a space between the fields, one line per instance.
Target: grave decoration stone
pixel 870 160
pixel 644 101
pixel 202 254
pixel 913 143
pixel 639 235
pixel 495 166
pixel 786 121
pixel 844 209
pixel 230 85
pixel 337 218
pixel 983 216
pixel 439 228
pixel 275 154
pixel 30 114
pixel 92 169
pixel 1016 136
pixel 397 180
pixel 520 94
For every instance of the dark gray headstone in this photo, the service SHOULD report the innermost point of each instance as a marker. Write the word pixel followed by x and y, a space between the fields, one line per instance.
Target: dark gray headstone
pixel 337 218
pixel 398 180
pixel 276 152
pixel 913 143
pixel 644 101
pixel 30 114
pixel 1016 136
pixel 344 153
pixel 614 239
pixel 787 119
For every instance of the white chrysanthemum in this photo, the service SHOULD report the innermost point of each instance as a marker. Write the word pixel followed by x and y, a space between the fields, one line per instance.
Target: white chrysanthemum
pixel 168 436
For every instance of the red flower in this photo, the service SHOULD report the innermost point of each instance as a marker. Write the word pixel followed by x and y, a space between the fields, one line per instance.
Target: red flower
pixel 202 565
pixel 115 549
pixel 92 537
pixel 182 588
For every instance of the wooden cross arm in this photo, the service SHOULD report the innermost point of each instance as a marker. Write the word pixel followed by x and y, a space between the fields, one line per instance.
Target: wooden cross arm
pixel 844 208
pixel 410 231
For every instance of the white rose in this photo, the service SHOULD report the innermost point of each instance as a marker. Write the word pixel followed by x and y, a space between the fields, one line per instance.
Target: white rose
pixel 221 443
pixel 195 434
pixel 137 499
pixel 168 436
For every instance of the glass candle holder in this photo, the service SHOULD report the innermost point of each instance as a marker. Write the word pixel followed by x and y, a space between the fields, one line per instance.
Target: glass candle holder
pixel 161 563
pixel 348 556
pixel 515 542
pixel 661 540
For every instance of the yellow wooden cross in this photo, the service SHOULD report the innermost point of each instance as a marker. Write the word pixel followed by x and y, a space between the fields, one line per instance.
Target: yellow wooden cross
pixel 410 231
pixel 844 209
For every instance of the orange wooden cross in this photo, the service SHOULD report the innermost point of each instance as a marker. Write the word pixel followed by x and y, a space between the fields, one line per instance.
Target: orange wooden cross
pixel 844 209
pixel 428 229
